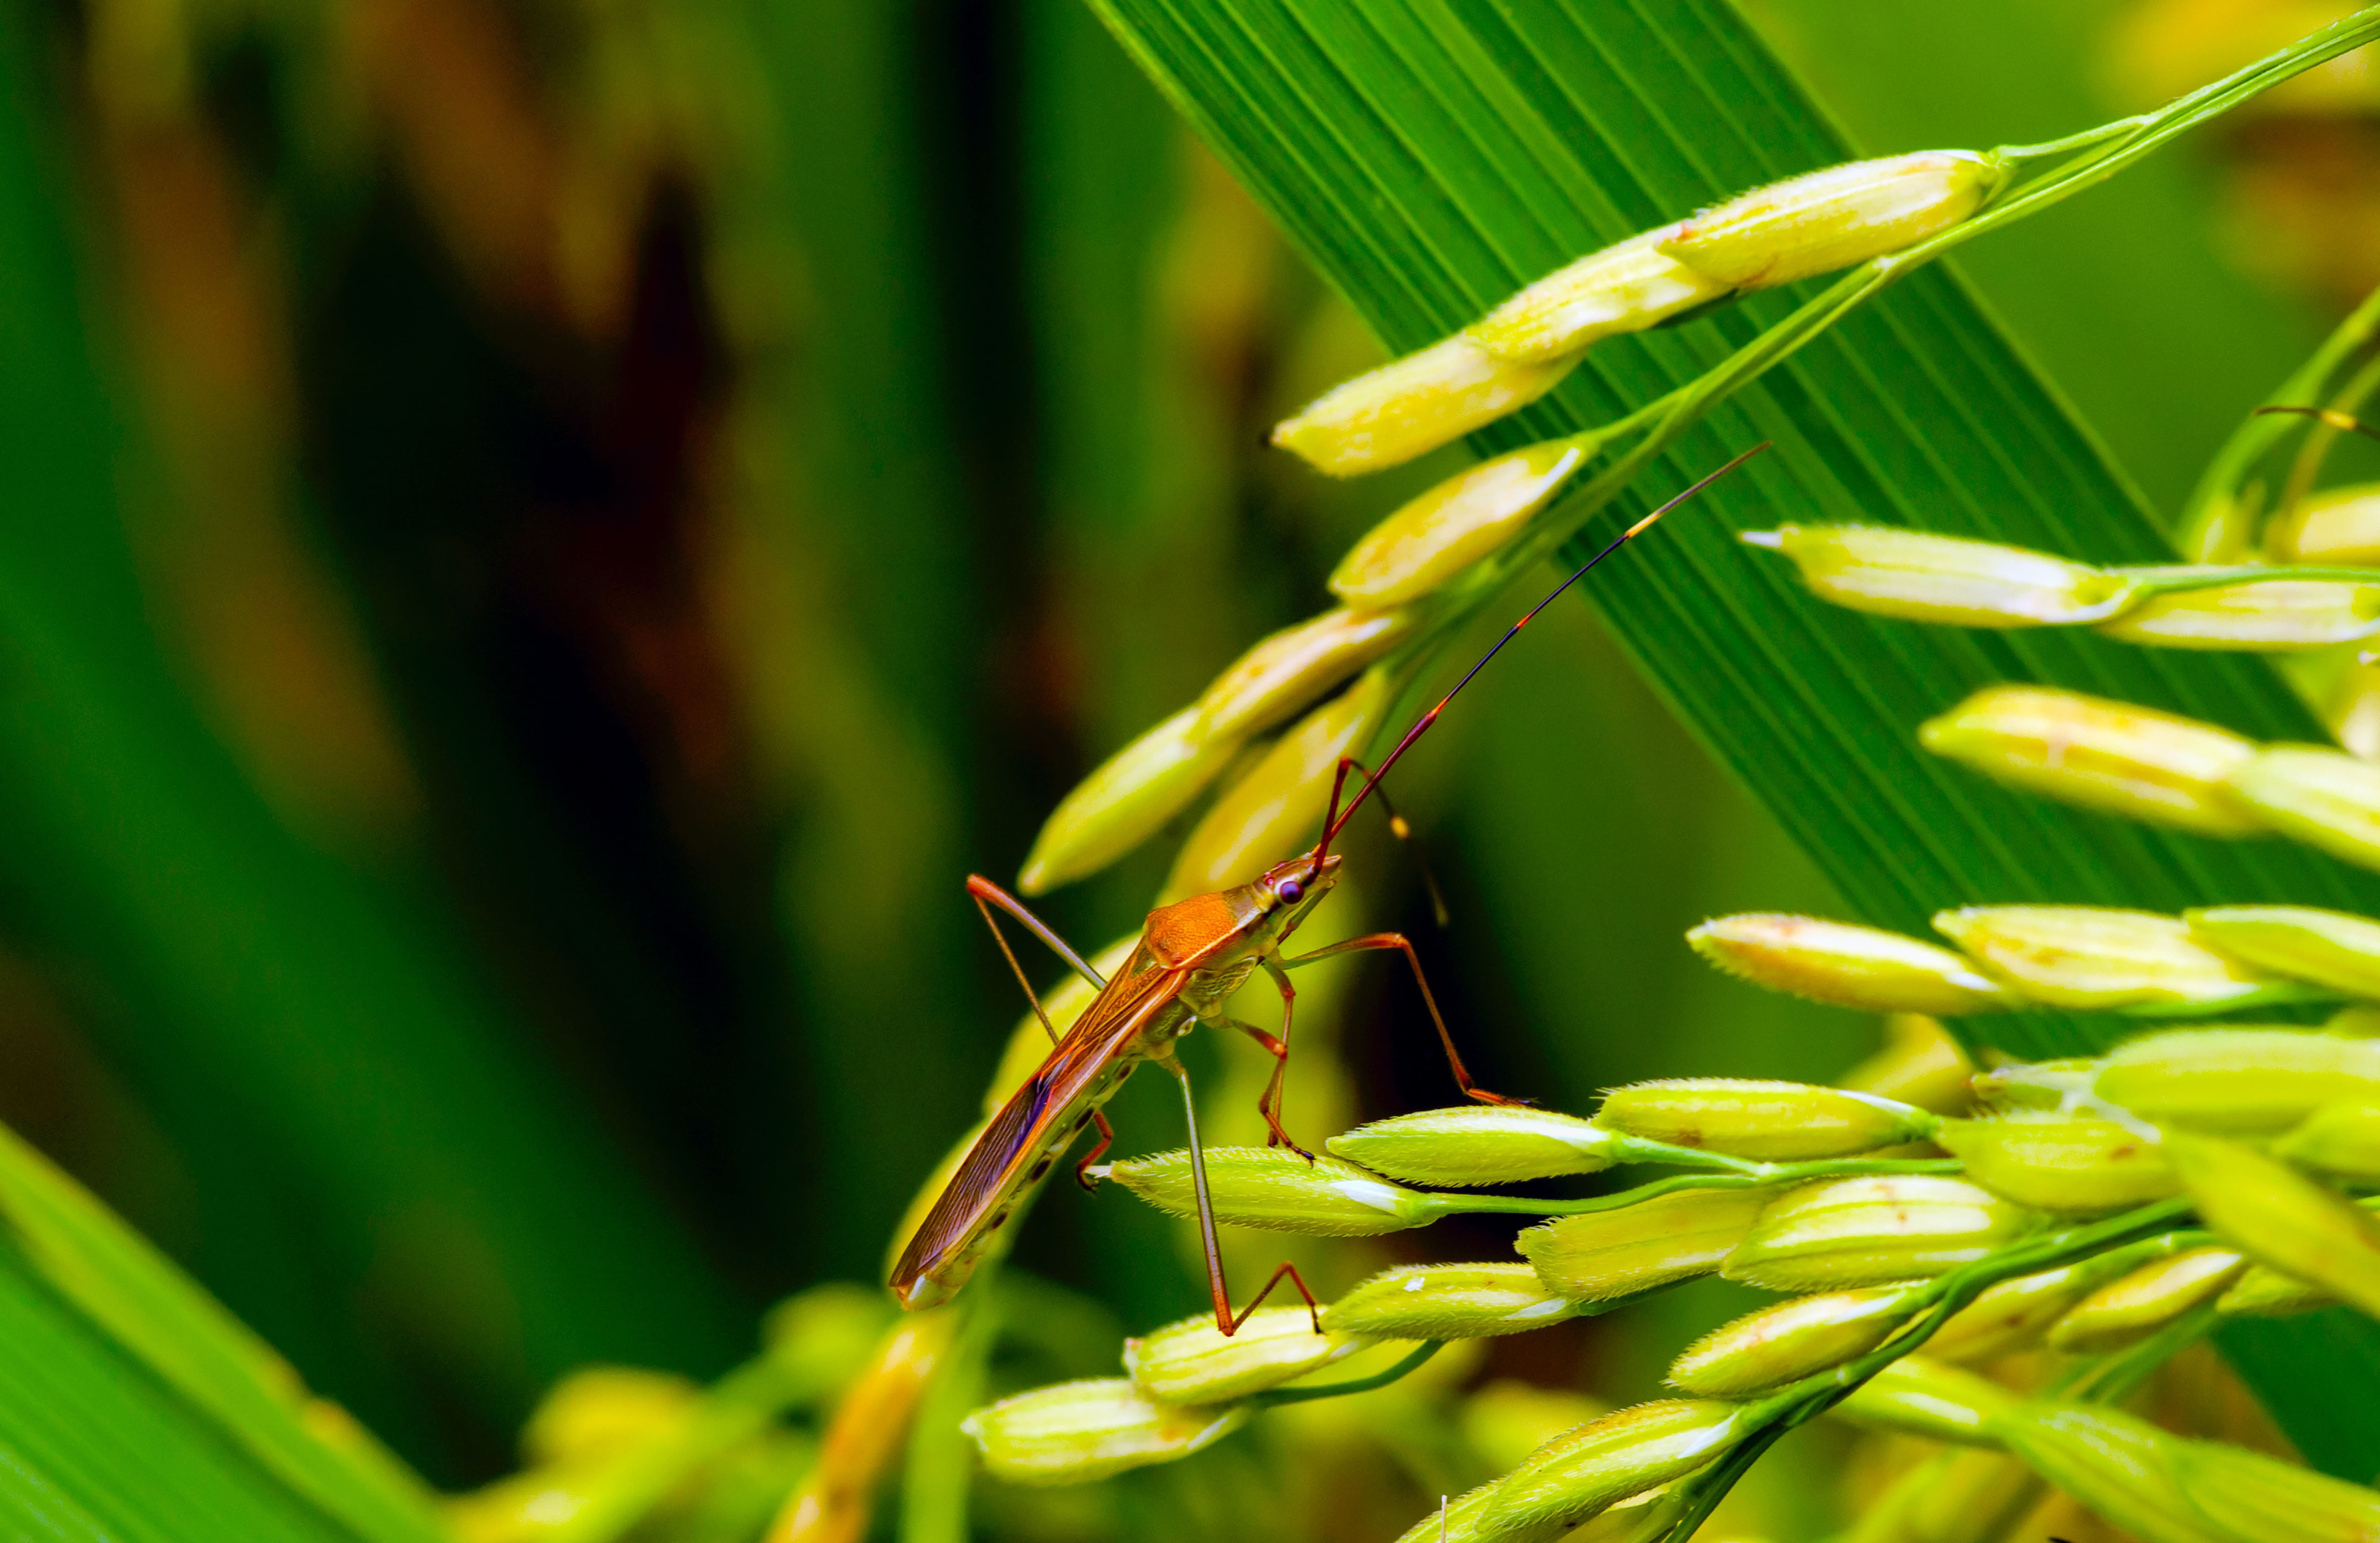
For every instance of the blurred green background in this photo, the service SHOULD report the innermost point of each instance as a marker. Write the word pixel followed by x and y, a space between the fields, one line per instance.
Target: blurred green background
pixel 546 536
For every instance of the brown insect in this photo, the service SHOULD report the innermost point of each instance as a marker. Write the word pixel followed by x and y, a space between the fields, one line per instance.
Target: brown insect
pixel 1191 957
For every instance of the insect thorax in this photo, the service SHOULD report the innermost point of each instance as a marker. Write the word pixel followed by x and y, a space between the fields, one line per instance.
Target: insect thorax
pixel 1206 990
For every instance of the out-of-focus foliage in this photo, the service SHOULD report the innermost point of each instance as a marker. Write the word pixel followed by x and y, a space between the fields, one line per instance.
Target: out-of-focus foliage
pixel 549 536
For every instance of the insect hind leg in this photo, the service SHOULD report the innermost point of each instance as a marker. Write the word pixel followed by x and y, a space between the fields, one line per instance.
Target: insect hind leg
pixel 1229 1322
pixel 1106 1139
pixel 1226 1320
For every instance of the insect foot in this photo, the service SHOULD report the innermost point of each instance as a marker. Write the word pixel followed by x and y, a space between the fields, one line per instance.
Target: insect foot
pixel 1194 1361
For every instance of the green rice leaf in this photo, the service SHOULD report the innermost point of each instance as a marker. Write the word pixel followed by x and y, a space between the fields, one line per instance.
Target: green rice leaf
pixel 94 1446
pixel 88 1254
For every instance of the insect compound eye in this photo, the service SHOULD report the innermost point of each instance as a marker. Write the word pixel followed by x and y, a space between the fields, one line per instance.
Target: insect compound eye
pixel 1291 891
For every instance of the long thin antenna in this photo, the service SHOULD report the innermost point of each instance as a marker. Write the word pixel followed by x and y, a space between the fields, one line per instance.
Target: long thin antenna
pixel 1421 726
pixel 2330 416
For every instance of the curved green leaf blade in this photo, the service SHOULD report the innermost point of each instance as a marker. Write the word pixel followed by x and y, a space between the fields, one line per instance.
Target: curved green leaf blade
pixel 87 1253
pixel 93 1446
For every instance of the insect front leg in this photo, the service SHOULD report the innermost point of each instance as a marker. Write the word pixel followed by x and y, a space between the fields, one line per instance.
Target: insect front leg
pixel 986 895
pixel 1268 1105
pixel 1226 1321
pixel 1378 941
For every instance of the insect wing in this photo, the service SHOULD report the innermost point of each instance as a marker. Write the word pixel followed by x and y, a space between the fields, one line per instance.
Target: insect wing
pixel 989 1173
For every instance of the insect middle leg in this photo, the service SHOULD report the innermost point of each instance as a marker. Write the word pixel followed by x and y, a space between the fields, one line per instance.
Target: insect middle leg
pixel 1372 942
pixel 1268 1105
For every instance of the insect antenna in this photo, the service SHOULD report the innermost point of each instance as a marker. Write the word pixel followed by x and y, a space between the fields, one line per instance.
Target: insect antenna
pixel 1402 829
pixel 1337 817
pixel 2331 417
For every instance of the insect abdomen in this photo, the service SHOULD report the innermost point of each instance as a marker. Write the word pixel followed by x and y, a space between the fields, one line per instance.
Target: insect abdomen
pixel 941 1278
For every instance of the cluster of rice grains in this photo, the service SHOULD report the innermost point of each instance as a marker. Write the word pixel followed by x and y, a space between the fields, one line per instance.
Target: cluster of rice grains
pixel 2108 1211
pixel 1407 586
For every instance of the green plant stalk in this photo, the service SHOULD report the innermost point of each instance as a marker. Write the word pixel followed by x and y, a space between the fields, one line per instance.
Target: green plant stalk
pixel 2176 581
pixel 1799 1402
pixel 940 1461
pixel 2321 434
pixel 737 1407
pixel 1410 1361
pixel 2112 1378
pixel 2086 139
pixel 2258 433
pixel 1444 1203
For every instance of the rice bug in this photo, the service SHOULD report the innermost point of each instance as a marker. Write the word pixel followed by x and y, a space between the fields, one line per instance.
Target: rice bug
pixel 1191 957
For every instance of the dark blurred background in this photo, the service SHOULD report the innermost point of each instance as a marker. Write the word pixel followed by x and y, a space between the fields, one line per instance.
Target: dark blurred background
pixel 544 538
